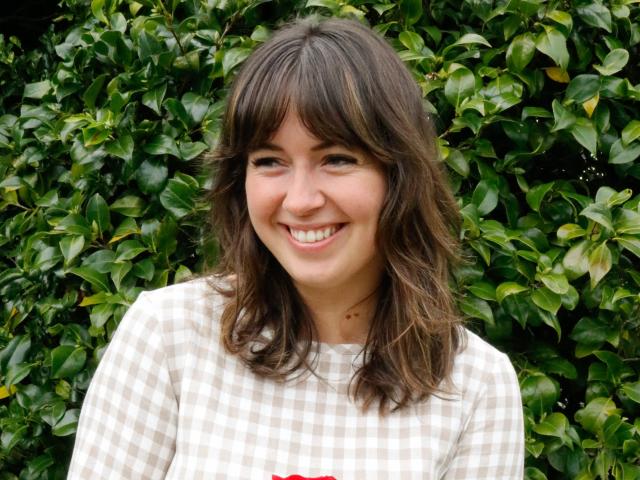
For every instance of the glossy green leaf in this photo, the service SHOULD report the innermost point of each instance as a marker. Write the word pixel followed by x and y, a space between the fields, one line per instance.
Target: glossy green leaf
pixel 485 197
pixel 121 147
pixel 553 44
pixel 520 52
pixel 71 247
pixel 477 308
pixel 585 133
pixel 629 243
pixel 563 118
pixel 460 85
pixel 483 290
pixel 154 98
pixel 37 90
pixel 95 278
pixel 583 87
pixel 600 214
pixel 162 145
pixel 509 288
pixel 555 282
pixel 536 195
pixel 594 13
pixel 619 154
pixel 630 132
pixel 67 424
pixel 98 212
pixel 546 299
pixel 152 175
pixel 570 231
pixel 593 416
pixel 178 198
pixel 128 250
pixel 67 360
pixel 539 393
pixel 412 41
pixel 129 206
pixel 615 61
pixel 411 10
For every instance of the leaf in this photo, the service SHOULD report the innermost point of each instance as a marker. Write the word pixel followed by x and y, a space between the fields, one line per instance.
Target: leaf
pixel 129 206
pixel 583 87
pixel 178 198
pixel 90 95
pixel 553 44
pixel 546 299
pixel 485 197
pixel 67 424
pixel 153 98
pixel 520 52
pixel 509 288
pixel 37 90
pixel 471 38
pixel 121 147
pixel 557 74
pixel 100 261
pixel 555 282
pixel 67 360
pixel 594 332
pixel 619 154
pixel 71 247
pixel 539 393
pixel 98 212
pixel 152 175
pixel 536 194
pixel 457 162
pixel 594 13
pixel 412 41
pixel 411 10
pixel 632 390
pixel 129 249
pixel 461 84
pixel 615 61
pixel 162 145
pixel 590 105
pixel 98 280
pixel 563 118
pixel 196 106
pixel 97 8
pixel 477 308
pixel 569 231
pixel 600 261
pixel 593 416
pixel 119 271
pixel 630 132
pixel 126 228
pixel 190 150
pixel 585 133
pixel 4 392
pixel 630 243
pixel 600 214
pixel 483 290
pixel 234 57
pixel 554 425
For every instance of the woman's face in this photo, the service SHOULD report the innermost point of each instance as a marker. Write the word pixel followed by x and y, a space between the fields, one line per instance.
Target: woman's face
pixel 316 206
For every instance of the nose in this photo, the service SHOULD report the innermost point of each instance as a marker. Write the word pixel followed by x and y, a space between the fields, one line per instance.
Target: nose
pixel 303 195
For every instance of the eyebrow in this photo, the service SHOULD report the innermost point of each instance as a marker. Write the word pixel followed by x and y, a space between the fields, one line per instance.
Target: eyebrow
pixel 272 146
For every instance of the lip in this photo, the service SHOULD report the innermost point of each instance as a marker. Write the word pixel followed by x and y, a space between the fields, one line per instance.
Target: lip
pixel 309 247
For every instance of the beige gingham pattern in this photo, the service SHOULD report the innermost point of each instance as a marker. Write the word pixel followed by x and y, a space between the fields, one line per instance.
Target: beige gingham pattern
pixel 168 402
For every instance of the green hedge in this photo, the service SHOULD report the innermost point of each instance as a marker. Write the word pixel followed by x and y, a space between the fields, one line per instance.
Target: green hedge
pixel 536 104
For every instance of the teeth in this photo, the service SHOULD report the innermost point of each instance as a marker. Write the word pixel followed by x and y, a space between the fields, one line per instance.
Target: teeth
pixel 312 236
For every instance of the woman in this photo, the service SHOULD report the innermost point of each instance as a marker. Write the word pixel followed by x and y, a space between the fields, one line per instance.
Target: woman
pixel 327 342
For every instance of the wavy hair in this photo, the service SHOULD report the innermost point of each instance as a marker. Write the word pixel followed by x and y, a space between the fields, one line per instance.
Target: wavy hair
pixel 348 87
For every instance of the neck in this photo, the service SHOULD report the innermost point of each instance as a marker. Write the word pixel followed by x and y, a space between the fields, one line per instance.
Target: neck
pixel 341 316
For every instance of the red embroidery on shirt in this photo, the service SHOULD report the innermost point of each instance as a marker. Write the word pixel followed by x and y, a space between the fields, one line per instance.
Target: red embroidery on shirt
pixel 300 477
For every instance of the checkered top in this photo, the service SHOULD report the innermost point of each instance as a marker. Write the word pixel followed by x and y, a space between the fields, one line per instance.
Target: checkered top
pixel 168 402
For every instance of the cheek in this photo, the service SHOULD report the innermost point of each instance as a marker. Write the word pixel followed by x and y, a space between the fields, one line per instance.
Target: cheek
pixel 262 199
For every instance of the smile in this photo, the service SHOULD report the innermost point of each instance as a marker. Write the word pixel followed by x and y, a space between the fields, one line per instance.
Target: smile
pixel 313 236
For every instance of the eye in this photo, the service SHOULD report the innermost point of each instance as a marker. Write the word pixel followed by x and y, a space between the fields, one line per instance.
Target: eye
pixel 339 160
pixel 265 162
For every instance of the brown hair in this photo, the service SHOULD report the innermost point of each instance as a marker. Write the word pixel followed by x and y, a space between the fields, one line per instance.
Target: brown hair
pixel 349 87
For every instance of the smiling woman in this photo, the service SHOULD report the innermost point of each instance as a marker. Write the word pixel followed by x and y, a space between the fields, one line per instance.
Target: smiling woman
pixel 338 235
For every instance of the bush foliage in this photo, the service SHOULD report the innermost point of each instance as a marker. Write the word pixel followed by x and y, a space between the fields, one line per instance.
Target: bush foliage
pixel 536 103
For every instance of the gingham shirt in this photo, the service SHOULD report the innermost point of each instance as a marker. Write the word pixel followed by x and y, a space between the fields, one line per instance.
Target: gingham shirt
pixel 168 402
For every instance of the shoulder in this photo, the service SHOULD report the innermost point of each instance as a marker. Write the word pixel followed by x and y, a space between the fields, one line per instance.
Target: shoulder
pixel 479 365
pixel 194 305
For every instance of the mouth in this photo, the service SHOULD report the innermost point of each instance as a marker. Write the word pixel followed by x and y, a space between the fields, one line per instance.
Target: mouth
pixel 314 235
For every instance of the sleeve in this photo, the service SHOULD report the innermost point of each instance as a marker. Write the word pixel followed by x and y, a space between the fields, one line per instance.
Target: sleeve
pixel 127 426
pixel 492 444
